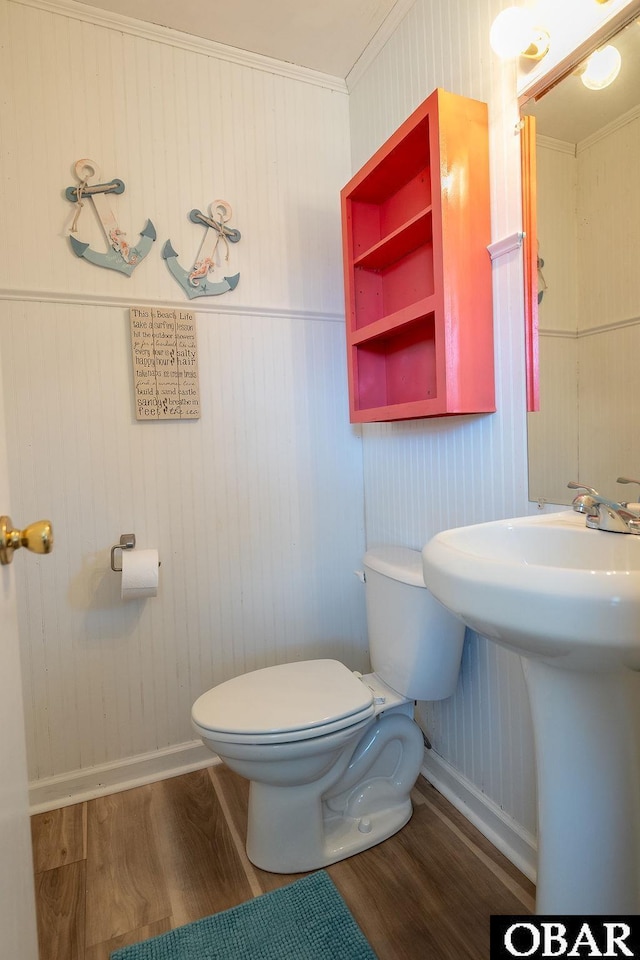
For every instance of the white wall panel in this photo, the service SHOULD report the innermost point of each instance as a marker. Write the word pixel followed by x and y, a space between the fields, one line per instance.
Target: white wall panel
pixel 609 213
pixel 557 202
pixel 180 129
pixel 423 476
pixel 608 297
pixel 257 508
pixel 608 378
pixel 553 430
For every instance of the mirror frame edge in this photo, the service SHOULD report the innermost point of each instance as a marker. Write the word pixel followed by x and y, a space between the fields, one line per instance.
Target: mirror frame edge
pixel 530 258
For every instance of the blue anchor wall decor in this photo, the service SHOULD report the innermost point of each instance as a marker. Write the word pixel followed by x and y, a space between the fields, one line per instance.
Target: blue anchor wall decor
pixel 195 282
pixel 120 256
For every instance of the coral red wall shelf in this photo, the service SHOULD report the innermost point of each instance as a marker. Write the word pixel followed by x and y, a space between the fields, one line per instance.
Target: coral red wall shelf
pixel 415 227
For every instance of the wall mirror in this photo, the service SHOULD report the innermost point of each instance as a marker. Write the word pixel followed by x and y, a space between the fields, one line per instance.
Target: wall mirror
pixel 587 212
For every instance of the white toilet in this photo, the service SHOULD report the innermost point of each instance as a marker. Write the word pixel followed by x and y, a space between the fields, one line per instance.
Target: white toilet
pixel 332 755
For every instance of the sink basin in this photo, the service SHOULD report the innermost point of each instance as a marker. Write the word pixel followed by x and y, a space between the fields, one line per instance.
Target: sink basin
pixel 546 586
pixel 567 599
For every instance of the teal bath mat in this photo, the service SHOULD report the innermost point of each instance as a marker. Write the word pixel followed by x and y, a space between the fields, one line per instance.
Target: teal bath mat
pixel 307 920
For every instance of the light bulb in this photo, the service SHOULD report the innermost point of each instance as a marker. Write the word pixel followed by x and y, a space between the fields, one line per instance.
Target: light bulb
pixel 514 34
pixel 602 67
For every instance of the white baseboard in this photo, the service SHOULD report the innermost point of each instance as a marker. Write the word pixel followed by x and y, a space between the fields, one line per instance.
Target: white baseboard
pixel 79 785
pixel 516 843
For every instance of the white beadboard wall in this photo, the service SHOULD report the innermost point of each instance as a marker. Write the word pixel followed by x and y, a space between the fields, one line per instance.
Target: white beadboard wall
pixel 257 508
pixel 423 476
pixel 608 216
pixel 180 129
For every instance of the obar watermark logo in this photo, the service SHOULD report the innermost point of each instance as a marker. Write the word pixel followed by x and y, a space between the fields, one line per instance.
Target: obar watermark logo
pixel 570 936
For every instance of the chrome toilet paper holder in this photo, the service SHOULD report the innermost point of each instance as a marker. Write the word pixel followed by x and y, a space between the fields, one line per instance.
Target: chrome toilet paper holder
pixel 127 542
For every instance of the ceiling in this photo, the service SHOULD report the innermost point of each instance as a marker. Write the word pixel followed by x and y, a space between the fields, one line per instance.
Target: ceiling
pixel 328 36
pixel 571 112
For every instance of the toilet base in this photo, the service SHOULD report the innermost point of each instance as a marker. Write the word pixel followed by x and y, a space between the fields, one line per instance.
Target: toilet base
pixel 342 838
pixel 362 801
pixel 345 836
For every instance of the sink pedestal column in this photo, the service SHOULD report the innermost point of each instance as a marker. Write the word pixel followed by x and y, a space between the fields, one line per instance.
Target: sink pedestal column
pixel 586 730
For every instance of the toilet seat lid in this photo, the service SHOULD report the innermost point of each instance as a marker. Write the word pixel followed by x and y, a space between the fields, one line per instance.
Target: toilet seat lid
pixel 307 698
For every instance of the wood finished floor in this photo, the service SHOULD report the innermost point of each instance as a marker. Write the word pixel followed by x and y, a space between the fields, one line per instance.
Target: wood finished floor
pixel 122 868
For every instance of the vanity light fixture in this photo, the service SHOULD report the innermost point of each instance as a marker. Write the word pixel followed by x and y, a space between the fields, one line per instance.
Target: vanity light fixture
pixel 601 68
pixel 514 33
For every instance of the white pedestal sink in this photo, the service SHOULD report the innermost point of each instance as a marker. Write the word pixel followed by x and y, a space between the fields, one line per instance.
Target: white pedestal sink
pixel 567 599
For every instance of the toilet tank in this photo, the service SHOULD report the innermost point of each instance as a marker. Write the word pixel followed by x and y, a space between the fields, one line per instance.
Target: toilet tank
pixel 415 644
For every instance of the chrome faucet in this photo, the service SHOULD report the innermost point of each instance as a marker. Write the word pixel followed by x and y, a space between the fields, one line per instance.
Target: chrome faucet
pixel 604 514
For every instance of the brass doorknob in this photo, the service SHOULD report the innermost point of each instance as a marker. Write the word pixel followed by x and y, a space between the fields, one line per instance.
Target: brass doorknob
pixel 37 537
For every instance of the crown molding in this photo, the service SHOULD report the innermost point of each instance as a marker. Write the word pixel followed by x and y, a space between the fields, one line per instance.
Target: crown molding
pixel 625 118
pixel 559 146
pixel 185 41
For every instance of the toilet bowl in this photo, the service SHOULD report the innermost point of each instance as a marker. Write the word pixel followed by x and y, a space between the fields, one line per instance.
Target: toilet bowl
pixel 331 755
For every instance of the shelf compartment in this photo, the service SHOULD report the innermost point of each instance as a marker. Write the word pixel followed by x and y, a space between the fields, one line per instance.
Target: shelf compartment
pixel 373 222
pixel 383 177
pixel 394 322
pixel 412 234
pixel 398 368
pixel 379 293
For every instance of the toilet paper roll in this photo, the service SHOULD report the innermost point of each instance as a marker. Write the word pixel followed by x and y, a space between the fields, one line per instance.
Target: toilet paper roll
pixel 139 574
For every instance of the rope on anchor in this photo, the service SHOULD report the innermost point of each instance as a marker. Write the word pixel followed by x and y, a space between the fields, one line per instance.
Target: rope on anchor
pixel 79 204
pixel 221 230
pixel 202 267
